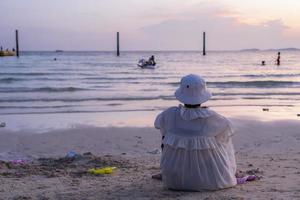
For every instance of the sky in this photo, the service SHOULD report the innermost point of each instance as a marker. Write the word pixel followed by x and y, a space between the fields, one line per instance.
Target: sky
pixel 150 24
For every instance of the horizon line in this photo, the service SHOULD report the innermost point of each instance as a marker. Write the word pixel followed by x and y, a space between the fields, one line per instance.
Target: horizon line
pixel 186 50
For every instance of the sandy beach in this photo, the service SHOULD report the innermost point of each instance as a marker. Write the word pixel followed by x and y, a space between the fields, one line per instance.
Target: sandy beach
pixel 269 149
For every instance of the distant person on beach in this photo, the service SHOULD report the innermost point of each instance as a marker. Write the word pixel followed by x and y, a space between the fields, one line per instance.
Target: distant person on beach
pixel 13 49
pixel 263 63
pixel 1 48
pixel 197 153
pixel 278 58
pixel 151 60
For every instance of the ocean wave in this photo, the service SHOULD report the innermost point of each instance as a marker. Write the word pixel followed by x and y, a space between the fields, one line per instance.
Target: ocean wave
pixel 75 111
pixel 254 75
pixel 9 80
pixel 42 89
pixel 157 108
pixel 268 75
pixel 255 84
pixel 216 97
pixel 271 98
pixel 38 107
pixel 256 94
pixel 248 84
pixel 134 98
pixel 29 74
pixel 125 78
pixel 253 105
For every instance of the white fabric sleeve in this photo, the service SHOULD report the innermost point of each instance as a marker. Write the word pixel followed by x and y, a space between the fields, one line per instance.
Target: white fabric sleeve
pixel 226 134
pixel 157 122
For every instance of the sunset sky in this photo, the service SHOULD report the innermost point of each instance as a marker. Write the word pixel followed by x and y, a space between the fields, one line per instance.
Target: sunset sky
pixel 150 24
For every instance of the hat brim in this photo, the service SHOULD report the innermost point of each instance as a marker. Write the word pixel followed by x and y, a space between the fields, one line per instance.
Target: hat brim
pixel 203 97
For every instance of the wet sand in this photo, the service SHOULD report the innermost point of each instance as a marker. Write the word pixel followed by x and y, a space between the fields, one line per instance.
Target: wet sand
pixel 270 149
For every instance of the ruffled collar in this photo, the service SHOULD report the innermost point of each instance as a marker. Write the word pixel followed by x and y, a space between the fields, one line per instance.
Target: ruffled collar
pixel 194 113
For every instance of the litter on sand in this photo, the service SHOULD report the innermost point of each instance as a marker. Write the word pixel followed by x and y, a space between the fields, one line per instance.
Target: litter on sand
pixel 71 154
pixel 155 151
pixel 18 162
pixel 105 170
pixel 245 179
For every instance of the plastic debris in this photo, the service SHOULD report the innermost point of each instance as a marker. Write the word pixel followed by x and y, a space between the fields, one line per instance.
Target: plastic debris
pixel 155 151
pixel 245 179
pixel 105 170
pixel 18 162
pixel 71 154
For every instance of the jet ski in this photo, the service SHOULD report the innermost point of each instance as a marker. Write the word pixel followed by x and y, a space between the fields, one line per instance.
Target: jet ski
pixel 144 64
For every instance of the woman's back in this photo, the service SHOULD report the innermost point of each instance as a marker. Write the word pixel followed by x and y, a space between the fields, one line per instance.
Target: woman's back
pixel 198 152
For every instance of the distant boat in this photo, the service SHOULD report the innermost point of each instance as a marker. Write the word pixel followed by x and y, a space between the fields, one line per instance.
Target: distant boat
pixel 7 53
pixel 59 51
pixel 144 64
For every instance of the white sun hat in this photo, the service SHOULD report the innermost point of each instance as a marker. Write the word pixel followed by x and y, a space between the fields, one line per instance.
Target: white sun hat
pixel 192 90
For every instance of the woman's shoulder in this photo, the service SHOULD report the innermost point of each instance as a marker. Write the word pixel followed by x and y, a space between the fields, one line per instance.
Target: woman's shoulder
pixel 218 117
pixel 218 123
pixel 170 111
pixel 164 116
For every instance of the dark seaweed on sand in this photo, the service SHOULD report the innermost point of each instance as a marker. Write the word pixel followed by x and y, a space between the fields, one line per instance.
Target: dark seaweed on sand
pixel 76 166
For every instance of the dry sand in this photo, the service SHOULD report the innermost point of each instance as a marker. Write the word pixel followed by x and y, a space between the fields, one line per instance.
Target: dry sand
pixel 270 149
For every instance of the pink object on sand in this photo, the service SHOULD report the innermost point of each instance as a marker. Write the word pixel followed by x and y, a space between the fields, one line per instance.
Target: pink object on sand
pixel 18 161
pixel 244 179
pixel 251 178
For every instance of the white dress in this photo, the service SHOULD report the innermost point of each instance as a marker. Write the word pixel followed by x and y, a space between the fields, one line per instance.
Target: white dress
pixel 198 153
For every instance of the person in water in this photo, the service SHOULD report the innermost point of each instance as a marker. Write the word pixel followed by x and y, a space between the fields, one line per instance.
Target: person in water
pixel 151 60
pixel 197 153
pixel 278 58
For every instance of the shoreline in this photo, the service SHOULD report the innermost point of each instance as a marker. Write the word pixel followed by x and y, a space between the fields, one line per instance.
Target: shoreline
pixel 270 148
pixel 116 140
pixel 43 123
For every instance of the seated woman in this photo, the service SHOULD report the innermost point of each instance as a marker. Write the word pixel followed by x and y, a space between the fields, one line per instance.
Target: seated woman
pixel 198 153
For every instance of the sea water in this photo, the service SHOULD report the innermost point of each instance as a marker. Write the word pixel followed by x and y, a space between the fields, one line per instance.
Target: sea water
pixel 60 89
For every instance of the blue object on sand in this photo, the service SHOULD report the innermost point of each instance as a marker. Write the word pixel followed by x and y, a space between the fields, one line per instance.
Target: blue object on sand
pixel 71 154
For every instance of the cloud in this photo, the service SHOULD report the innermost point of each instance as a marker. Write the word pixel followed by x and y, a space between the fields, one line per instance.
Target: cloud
pixel 144 25
pixel 224 31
